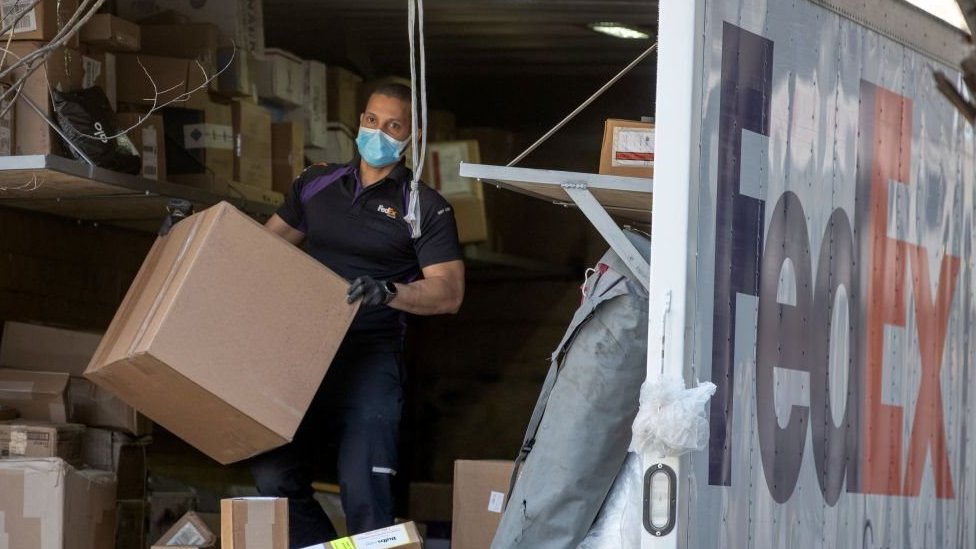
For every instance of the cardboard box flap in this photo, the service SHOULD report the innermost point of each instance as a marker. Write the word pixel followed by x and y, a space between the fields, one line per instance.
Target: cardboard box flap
pixel 28 383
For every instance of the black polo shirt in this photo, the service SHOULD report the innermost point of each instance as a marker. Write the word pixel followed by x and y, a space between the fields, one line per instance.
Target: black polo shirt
pixel 360 231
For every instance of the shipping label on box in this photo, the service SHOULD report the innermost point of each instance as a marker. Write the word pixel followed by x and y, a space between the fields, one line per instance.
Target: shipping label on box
pixel 42 21
pixel 443 164
pixel 190 530
pixel 628 148
pixel 254 523
pixel 208 136
pixel 398 536
pixel 38 440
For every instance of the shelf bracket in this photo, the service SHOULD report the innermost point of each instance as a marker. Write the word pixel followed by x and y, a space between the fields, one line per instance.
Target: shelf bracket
pixel 608 229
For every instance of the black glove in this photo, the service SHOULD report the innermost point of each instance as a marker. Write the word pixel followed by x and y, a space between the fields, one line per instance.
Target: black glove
pixel 373 292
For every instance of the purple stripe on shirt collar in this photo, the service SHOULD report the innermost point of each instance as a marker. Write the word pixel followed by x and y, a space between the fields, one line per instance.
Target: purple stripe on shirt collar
pixel 314 186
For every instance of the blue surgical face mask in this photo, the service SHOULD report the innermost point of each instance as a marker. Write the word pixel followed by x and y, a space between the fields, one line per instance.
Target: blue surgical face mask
pixel 378 149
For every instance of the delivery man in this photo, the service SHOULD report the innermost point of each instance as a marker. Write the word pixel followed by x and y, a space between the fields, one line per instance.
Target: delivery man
pixel 351 218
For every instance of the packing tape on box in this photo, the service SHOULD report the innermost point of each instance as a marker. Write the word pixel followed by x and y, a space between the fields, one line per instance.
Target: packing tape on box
pixel 259 529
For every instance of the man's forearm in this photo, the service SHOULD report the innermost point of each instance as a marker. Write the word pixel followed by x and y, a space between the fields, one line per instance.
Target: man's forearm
pixel 429 296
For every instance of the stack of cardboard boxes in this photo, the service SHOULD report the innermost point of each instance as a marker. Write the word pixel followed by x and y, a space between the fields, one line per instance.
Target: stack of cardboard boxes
pixel 67 428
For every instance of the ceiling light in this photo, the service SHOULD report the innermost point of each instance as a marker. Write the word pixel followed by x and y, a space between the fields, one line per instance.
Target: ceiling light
pixel 618 30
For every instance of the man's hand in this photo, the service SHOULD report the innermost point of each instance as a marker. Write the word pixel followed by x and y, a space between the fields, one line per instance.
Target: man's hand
pixel 373 292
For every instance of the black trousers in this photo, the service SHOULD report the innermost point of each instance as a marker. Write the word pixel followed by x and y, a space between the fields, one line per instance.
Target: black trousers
pixel 357 410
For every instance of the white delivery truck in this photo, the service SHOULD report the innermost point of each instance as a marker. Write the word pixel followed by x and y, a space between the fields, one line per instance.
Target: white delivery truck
pixel 813 256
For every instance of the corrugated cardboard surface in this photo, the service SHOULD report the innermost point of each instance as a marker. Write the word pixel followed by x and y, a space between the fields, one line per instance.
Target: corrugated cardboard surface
pixel 112 33
pixel 149 138
pixel 44 21
pixel 287 154
pixel 62 70
pixel 342 97
pixel 480 489
pixel 252 144
pixel 44 348
pixel 39 396
pixel 281 78
pixel 254 523
pixel 608 152
pixel 47 504
pixel 27 439
pixel 173 77
pixel 234 322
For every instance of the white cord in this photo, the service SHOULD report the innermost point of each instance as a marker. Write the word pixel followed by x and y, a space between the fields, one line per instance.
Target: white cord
pixel 415 19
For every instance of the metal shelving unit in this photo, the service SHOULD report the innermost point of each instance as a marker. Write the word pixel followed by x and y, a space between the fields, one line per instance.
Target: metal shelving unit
pixel 597 196
pixel 70 188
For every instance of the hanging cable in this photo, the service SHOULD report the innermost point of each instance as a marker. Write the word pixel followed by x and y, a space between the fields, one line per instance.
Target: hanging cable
pixel 415 20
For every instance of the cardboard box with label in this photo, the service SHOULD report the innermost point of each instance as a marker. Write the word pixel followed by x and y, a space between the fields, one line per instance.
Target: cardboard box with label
pixel 40 22
pixel 204 319
pixel 313 112
pixel 62 70
pixel 180 82
pixel 47 499
pixel 241 22
pixel 252 144
pixel 281 78
pixel 100 70
pixel 165 509
pixel 628 148
pixel 195 41
pixel 148 137
pixel 111 33
pixel 254 523
pixel 189 531
pixel 207 139
pixel 121 454
pixel 287 154
pixel 33 439
pixel 480 489
pixel 342 96
pixel 41 348
pixel 38 396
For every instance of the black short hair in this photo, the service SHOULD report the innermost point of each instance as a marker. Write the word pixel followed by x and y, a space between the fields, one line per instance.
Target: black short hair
pixel 395 90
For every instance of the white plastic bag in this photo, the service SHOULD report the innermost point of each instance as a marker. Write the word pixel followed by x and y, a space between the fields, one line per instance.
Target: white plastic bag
pixel 618 525
pixel 671 420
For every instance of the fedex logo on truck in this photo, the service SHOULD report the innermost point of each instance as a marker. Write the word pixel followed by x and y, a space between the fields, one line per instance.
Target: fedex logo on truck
pixel 860 446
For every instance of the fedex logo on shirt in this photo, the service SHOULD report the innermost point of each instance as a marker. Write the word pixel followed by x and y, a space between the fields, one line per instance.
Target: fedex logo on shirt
pixel 767 259
pixel 390 211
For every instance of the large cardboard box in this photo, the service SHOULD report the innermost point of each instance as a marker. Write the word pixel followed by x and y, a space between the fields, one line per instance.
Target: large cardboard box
pixel 190 531
pixel 480 490
pixel 281 78
pixel 33 439
pixel 398 536
pixel 628 148
pixel 237 72
pixel 100 70
pixel 287 156
pixel 46 503
pixel 149 139
pixel 254 523
pixel 342 96
pixel 196 41
pixel 63 71
pixel 180 82
pixel 207 139
pixel 252 144
pixel 241 22
pixel 121 454
pixel 233 319
pixel 40 22
pixel 111 33
pixel 313 111
pixel 38 396
pixel 48 349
